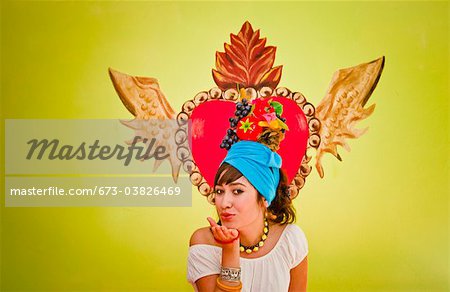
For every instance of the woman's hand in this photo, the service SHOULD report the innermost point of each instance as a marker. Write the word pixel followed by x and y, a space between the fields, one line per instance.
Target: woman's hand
pixel 222 234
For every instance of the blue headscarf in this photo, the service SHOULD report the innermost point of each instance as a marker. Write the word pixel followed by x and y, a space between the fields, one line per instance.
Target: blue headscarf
pixel 258 164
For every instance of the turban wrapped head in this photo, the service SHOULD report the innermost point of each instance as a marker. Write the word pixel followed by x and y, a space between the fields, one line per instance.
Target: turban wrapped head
pixel 260 165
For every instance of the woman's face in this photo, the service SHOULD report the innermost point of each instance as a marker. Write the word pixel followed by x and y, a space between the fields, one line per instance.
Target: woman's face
pixel 237 203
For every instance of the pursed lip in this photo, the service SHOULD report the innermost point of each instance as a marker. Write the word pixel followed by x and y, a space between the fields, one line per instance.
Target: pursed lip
pixel 226 216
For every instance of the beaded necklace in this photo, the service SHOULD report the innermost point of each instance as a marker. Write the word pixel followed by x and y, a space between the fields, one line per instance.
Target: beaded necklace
pixel 255 248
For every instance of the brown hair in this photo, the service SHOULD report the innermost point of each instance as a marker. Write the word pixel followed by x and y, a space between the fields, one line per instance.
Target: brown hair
pixel 281 209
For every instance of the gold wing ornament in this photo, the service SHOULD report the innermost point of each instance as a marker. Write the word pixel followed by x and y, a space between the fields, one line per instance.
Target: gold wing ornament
pixel 343 106
pixel 154 118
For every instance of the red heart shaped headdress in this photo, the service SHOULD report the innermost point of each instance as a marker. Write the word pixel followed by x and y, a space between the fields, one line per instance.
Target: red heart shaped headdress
pixel 212 115
pixel 210 122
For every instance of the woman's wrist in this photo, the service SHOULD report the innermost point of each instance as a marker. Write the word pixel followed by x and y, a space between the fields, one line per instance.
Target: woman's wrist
pixel 231 247
pixel 229 279
pixel 231 255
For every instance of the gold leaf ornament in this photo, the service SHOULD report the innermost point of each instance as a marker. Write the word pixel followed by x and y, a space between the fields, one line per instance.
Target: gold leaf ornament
pixel 246 62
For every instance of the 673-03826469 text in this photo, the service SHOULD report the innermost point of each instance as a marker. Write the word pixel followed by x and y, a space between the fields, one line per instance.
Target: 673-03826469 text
pixel 98 191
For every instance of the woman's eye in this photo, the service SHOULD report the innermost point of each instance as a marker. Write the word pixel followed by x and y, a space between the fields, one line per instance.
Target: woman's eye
pixel 238 192
pixel 218 192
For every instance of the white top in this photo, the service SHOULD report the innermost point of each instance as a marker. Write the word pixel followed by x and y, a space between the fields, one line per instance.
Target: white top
pixel 271 272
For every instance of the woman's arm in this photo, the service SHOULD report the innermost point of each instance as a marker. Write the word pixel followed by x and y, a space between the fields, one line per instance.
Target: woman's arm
pixel 299 276
pixel 207 283
pixel 230 256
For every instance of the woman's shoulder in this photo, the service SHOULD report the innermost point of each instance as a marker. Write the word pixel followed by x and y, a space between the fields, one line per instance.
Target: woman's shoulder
pixel 290 238
pixel 202 236
pixel 296 243
pixel 287 230
pixel 294 228
pixel 294 231
pixel 203 257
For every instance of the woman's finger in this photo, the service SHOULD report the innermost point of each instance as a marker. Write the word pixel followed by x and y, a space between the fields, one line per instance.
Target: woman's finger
pixel 221 235
pixel 226 232
pixel 212 222
pixel 234 233
pixel 214 231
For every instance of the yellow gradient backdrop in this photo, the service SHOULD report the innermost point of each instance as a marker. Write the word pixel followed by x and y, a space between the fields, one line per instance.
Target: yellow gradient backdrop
pixel 378 221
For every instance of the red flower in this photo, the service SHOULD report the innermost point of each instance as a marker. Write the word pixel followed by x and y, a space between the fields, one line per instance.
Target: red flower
pixel 248 128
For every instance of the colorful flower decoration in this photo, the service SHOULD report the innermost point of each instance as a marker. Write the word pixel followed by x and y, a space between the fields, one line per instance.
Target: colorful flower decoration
pixel 256 122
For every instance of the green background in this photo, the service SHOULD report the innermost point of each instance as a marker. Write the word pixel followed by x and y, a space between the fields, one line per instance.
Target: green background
pixel 378 221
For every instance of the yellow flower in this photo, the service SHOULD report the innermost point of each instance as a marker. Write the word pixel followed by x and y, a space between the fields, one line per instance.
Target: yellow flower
pixel 246 125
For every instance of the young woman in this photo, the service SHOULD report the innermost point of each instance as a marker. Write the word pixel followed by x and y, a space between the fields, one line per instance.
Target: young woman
pixel 255 246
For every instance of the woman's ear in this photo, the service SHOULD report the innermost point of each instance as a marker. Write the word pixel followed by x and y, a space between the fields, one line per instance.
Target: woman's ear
pixel 266 204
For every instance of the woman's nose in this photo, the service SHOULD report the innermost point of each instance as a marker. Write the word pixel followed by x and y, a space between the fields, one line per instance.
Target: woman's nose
pixel 227 200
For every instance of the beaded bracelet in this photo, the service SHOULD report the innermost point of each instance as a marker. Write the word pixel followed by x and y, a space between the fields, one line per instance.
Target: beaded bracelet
pixel 227 287
pixel 230 274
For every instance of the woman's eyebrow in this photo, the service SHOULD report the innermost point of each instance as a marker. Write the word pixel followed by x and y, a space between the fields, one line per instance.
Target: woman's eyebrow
pixel 236 183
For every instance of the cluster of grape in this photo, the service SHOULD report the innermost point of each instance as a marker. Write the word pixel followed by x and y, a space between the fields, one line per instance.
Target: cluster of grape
pixel 229 139
pixel 242 110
